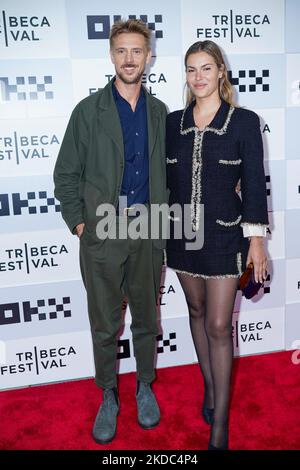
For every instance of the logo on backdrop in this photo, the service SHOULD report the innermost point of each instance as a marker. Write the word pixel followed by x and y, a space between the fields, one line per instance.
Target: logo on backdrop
pixel 234 26
pixel 18 148
pixel 151 80
pixel 163 297
pixel 33 202
pixel 266 128
pixel 25 88
pixel 250 332
pixel 250 80
pixel 37 360
pixel 164 292
pixel 123 349
pixel 14 29
pixel 165 343
pixel 42 309
pixel 268 182
pixel 98 26
pixel 28 258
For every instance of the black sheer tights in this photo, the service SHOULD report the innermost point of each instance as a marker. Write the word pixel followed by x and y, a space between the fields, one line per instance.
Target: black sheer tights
pixel 210 303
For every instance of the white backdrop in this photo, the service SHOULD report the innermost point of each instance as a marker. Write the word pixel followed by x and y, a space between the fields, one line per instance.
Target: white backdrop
pixel 55 53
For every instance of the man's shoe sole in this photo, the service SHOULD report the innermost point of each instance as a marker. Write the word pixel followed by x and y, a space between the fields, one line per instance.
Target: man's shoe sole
pixel 106 441
pixel 149 427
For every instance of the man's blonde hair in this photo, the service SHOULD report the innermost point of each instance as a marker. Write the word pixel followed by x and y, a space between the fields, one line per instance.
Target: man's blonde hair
pixel 130 26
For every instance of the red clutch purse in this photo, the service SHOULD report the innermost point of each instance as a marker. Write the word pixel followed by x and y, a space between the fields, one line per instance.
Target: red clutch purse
pixel 247 284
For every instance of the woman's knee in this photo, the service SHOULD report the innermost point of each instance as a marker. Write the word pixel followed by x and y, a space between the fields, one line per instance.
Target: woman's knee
pixel 218 329
pixel 196 309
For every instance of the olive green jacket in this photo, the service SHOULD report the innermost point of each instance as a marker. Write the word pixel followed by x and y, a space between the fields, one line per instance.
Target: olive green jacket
pixel 90 164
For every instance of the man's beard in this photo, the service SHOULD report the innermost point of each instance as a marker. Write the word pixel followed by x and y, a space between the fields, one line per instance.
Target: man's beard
pixel 129 80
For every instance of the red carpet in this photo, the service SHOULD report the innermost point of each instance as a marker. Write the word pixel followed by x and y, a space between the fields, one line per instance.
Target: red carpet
pixel 265 410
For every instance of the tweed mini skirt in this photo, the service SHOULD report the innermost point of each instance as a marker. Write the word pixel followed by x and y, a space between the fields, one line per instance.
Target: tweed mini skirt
pixel 208 265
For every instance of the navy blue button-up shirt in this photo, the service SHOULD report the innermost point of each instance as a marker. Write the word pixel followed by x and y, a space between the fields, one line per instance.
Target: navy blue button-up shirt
pixel 135 184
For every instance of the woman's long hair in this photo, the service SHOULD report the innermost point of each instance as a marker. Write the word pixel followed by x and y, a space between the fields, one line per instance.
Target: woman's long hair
pixel 211 48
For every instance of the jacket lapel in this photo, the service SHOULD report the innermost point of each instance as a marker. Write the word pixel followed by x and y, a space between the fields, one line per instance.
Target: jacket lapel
pixel 109 117
pixel 111 123
pixel 152 121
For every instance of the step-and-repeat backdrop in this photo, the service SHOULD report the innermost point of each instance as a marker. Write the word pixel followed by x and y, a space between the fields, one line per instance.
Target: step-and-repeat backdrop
pixel 55 53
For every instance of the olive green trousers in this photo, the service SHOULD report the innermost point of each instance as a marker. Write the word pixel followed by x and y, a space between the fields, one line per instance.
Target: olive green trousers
pixel 112 269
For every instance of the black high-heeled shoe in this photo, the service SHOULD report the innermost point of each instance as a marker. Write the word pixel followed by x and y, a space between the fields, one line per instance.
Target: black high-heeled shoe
pixel 212 447
pixel 208 415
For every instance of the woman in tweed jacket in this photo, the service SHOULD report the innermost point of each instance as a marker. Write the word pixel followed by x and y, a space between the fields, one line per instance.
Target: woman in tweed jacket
pixel 211 146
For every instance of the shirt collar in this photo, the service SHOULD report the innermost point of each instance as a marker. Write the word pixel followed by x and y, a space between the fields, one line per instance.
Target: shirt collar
pixel 118 98
pixel 218 122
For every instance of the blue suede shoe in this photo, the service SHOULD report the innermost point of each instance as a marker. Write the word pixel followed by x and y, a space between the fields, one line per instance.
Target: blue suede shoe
pixel 105 425
pixel 148 410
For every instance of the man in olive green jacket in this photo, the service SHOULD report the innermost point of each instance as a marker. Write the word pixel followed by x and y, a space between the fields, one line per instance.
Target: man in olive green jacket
pixel 112 137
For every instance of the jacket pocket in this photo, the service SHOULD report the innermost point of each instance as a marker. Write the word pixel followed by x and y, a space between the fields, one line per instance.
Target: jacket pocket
pixel 229 223
pixel 228 237
pixel 233 162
